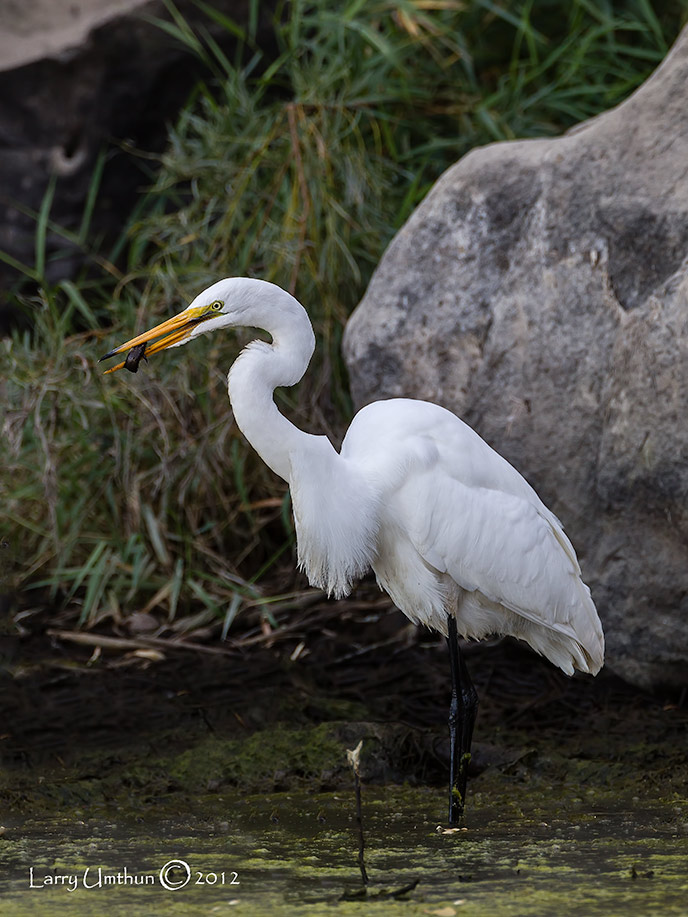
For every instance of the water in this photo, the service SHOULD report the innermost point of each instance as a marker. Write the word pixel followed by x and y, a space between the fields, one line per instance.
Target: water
pixel 521 853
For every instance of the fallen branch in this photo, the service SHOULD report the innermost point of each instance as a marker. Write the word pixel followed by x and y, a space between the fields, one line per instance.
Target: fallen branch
pixel 129 643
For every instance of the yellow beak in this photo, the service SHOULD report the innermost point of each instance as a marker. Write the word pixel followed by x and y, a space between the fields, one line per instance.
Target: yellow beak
pixel 167 333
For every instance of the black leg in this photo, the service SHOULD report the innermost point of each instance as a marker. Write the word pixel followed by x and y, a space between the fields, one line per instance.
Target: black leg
pixel 462 713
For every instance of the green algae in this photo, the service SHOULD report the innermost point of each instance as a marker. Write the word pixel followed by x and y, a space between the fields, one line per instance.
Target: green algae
pixel 295 853
pixel 263 760
pixel 277 758
pixel 585 823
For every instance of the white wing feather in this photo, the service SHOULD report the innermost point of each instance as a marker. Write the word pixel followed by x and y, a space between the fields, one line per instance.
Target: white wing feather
pixel 502 547
pixel 474 520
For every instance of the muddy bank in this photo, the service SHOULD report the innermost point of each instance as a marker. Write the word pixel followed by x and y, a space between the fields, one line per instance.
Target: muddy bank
pixel 105 728
pixel 237 763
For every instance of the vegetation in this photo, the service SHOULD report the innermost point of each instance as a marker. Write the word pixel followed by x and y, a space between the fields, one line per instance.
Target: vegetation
pixel 137 493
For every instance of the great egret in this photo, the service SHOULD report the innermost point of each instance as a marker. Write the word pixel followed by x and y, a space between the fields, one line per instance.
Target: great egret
pixel 459 540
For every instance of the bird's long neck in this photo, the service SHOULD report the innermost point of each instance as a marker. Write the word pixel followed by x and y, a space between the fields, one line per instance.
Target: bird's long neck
pixel 262 367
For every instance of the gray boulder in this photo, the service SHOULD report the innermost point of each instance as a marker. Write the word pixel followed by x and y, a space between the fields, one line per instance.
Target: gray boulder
pixel 540 291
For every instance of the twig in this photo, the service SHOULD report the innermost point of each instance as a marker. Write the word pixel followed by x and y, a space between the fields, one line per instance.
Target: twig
pixel 354 758
pixel 125 643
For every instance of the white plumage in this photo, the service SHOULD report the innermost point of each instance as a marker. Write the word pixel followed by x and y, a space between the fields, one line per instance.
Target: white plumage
pixel 447 524
pixel 459 540
pixel 460 531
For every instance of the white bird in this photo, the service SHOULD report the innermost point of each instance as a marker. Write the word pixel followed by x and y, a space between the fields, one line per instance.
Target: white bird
pixel 456 537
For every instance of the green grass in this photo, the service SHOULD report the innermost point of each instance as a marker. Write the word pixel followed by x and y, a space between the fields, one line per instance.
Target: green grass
pixel 136 492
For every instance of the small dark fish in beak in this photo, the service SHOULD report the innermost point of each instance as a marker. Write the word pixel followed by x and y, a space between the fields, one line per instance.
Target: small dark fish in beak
pixel 134 357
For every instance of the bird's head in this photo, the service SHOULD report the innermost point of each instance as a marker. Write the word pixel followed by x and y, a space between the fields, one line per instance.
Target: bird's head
pixel 224 304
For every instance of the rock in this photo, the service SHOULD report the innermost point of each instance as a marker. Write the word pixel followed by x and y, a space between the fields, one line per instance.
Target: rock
pixel 76 78
pixel 540 292
pixel 44 28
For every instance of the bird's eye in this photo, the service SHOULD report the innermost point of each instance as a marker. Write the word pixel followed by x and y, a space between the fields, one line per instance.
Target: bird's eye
pixel 217 305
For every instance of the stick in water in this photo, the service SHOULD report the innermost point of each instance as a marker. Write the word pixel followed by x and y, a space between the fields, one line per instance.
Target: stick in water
pixel 354 758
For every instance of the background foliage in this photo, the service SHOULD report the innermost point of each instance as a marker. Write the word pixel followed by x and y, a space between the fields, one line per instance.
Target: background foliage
pixel 138 493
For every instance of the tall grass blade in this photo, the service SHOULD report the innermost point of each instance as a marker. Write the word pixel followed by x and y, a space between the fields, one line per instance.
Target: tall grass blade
pixel 42 228
pixel 91 197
